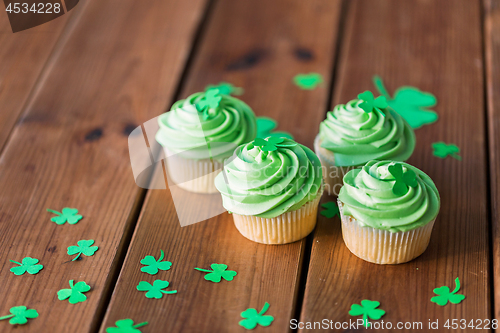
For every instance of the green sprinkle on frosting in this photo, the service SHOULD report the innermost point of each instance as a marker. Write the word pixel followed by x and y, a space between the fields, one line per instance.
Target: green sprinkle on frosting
pixel 206 125
pixel 357 136
pixel 267 178
pixel 368 196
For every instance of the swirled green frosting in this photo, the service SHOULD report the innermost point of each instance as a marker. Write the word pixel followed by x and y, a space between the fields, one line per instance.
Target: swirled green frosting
pixel 357 137
pixel 186 131
pixel 269 180
pixel 368 196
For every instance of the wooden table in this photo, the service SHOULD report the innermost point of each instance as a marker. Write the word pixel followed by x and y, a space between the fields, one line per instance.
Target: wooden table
pixel 72 90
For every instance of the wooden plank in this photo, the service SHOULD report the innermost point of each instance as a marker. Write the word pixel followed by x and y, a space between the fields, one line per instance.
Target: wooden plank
pixel 22 58
pixel 492 52
pixel 115 70
pixel 265 46
pixel 437 48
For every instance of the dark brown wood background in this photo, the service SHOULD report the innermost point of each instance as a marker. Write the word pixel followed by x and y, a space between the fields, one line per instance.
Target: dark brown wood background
pixel 72 89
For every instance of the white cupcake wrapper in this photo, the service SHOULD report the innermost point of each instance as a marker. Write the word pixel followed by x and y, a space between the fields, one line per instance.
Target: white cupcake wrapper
pixel 286 228
pixel 382 246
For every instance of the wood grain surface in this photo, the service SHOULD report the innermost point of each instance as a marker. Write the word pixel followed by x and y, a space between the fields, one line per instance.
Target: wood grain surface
pixel 436 48
pixel 22 59
pixel 258 45
pixel 113 71
pixel 492 56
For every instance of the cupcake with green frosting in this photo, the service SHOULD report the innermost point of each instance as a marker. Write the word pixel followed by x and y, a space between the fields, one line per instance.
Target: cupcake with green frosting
pixel 272 187
pixel 388 211
pixel 199 133
pixel 362 130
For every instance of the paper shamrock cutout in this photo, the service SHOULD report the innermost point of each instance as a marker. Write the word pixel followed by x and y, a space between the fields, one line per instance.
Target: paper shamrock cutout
pixel 308 81
pixel 443 150
pixel 444 295
pixel 84 247
pixel 155 290
pixel 403 181
pixel 75 294
pixel 69 215
pixel 265 127
pixel 217 273
pixel 331 209
pixel 226 88
pixel 152 266
pixel 26 265
pixel 411 103
pixel 252 318
pixel 125 326
pixel 209 103
pixel 20 315
pixel 272 143
pixel 369 103
pixel 367 309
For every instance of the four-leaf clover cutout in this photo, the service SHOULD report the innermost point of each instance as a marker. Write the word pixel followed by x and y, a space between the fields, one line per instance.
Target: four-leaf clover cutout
pixel 226 88
pixel 218 272
pixel 69 215
pixel 367 309
pixel 444 295
pixel 308 81
pixel 331 209
pixel 75 294
pixel 152 265
pixel 26 265
pixel 403 180
pixel 209 102
pixel 272 143
pixel 443 150
pixel 125 326
pixel 369 103
pixel 84 247
pixel 156 289
pixel 410 103
pixel 20 315
pixel 254 318
pixel 266 126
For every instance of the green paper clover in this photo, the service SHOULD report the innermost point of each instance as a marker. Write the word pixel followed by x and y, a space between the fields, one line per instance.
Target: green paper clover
pixel 272 143
pixel 308 81
pixel 217 273
pixel 152 266
pixel 209 103
pixel 265 127
pixel 442 150
pixel 26 265
pixel 368 309
pixel 20 315
pixel 403 181
pixel 254 318
pixel 75 294
pixel 369 103
pixel 84 247
pixel 69 215
pixel 331 209
pixel 444 295
pixel 125 326
pixel 410 103
pixel 226 88
pixel 155 290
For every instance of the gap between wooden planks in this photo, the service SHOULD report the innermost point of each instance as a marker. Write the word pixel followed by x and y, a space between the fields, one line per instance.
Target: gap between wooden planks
pixel 114 70
pixel 258 45
pixel 437 48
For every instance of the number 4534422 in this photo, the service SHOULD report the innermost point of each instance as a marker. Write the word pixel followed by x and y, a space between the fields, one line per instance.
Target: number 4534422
pixel 37 8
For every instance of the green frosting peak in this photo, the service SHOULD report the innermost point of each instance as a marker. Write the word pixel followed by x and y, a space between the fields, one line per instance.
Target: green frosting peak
pixel 371 195
pixel 357 136
pixel 206 125
pixel 267 178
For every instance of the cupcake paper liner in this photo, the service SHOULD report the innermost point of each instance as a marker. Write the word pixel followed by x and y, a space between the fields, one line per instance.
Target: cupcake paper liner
pixel 382 246
pixel 286 228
